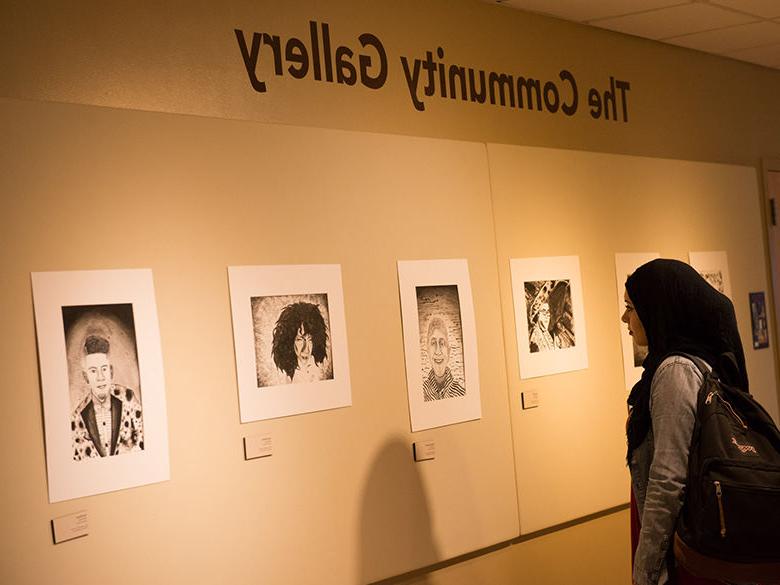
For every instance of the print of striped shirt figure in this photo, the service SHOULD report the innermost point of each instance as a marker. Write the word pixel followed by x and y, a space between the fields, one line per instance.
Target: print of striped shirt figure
pixel 442 369
pixel 440 382
pixel 550 319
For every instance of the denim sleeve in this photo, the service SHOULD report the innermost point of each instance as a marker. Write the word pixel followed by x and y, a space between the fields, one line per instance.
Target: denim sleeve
pixel 673 392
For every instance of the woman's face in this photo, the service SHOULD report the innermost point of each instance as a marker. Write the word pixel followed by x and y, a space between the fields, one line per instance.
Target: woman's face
pixel 635 327
pixel 303 346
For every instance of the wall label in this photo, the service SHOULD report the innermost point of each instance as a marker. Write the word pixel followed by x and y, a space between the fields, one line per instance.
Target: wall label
pixel 364 60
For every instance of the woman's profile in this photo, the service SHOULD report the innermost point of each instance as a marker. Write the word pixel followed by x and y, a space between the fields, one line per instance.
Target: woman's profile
pixel 673 311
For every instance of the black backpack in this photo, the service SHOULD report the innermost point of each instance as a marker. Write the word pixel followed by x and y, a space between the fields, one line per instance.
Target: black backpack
pixel 729 526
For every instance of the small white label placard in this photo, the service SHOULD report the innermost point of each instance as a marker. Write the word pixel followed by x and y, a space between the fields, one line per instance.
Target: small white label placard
pixel 258 446
pixel 529 399
pixel 69 527
pixel 424 450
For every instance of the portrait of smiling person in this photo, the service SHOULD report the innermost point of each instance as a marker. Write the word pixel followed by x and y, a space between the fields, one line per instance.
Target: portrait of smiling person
pixel 440 382
pixel 440 346
pixel 441 342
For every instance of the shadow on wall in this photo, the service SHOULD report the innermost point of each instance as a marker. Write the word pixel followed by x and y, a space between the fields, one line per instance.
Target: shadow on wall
pixel 395 522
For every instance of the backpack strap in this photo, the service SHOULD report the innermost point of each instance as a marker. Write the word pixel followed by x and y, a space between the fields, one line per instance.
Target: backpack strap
pixel 700 364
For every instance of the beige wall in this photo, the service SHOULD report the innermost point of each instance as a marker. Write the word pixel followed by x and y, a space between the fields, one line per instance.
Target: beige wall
pixel 555 202
pixel 201 194
pixel 594 552
pixel 187 197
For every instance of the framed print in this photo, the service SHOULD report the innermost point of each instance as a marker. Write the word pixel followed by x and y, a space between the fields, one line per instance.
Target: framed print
pixel 633 355
pixel 758 320
pixel 102 381
pixel 440 343
pixel 290 339
pixel 714 267
pixel 549 315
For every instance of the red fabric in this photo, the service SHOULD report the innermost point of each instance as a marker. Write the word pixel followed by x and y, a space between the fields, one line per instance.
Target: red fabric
pixel 635 526
pixel 683 577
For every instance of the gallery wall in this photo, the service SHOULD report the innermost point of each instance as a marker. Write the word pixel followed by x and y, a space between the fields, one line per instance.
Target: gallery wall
pixel 139 181
pixel 187 197
pixel 554 203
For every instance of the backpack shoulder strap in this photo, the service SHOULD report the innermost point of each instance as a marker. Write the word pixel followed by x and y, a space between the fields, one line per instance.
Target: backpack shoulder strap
pixel 700 364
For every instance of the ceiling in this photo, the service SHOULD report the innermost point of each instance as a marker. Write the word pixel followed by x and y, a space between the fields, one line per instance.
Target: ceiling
pixel 747 30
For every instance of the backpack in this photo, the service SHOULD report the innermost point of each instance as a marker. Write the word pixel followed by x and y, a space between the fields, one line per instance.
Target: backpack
pixel 729 525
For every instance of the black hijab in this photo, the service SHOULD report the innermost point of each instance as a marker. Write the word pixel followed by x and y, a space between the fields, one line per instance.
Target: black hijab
pixel 681 313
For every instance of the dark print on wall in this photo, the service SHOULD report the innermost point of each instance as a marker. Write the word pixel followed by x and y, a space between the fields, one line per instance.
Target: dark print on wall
pixel 292 339
pixel 715 278
pixel 441 342
pixel 550 316
pixel 758 320
pixel 104 381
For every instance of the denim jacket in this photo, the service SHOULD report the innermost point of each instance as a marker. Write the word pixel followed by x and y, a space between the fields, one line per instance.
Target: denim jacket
pixel 659 465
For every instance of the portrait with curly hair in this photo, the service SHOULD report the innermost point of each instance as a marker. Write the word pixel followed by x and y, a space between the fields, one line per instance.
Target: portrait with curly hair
pixel 292 340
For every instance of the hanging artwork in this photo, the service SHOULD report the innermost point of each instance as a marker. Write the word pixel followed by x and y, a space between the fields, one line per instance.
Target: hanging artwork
pixel 440 342
pixel 633 354
pixel 290 339
pixel 758 320
pixel 102 381
pixel 549 315
pixel 714 267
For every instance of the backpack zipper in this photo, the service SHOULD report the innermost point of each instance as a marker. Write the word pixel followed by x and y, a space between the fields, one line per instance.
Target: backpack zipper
pixel 727 405
pixel 719 496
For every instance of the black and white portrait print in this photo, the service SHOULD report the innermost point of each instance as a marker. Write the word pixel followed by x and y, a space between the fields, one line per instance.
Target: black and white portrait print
pixel 715 278
pixel 441 342
pixel 105 395
pixel 292 339
pixel 550 316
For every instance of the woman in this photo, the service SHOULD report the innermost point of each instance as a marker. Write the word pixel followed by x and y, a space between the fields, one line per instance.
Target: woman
pixel 671 310
pixel 299 346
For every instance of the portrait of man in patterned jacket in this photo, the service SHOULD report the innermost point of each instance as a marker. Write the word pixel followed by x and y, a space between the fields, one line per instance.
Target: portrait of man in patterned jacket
pixel 109 419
